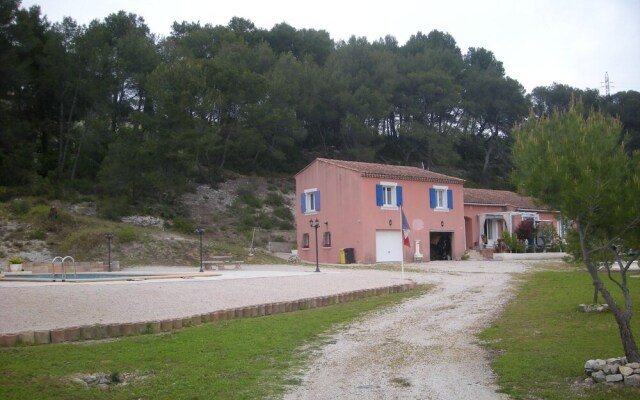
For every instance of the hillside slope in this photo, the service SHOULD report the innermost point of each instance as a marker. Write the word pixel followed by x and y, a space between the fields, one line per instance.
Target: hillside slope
pixel 233 214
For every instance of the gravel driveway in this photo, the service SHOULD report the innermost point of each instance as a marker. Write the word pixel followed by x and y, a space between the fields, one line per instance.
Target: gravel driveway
pixel 425 348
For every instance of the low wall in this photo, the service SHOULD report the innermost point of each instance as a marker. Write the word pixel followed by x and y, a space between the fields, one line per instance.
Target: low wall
pixel 529 256
pixel 279 247
pixel 80 266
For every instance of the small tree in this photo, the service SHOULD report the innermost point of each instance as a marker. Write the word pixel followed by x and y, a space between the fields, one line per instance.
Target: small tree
pixel 579 166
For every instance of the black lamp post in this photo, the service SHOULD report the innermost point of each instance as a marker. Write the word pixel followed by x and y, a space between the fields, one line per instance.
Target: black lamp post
pixel 109 236
pixel 315 224
pixel 200 231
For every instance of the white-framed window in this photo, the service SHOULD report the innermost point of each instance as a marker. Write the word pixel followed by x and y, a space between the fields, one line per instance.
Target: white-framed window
pixel 389 195
pixel 310 201
pixel 441 198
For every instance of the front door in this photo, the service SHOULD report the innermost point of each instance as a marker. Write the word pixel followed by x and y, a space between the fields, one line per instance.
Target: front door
pixel 388 246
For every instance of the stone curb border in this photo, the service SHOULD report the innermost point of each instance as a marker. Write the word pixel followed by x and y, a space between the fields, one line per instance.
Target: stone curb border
pixel 102 331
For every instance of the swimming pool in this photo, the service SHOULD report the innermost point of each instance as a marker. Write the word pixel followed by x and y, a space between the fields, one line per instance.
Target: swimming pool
pixel 99 277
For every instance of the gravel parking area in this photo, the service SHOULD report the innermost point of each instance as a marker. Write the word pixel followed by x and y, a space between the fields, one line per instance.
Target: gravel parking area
pixel 31 306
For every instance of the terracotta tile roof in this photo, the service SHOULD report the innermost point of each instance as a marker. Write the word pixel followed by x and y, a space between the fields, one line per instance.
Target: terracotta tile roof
pixel 501 198
pixel 400 172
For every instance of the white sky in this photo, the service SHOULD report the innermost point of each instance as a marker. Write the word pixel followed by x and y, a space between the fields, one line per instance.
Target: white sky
pixel 573 42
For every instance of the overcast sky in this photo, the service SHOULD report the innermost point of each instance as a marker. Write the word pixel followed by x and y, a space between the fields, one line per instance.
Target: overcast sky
pixel 574 42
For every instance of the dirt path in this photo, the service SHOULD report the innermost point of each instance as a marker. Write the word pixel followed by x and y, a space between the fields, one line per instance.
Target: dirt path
pixel 425 348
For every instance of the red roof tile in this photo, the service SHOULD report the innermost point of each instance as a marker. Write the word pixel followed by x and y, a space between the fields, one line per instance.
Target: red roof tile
pixel 400 172
pixel 501 198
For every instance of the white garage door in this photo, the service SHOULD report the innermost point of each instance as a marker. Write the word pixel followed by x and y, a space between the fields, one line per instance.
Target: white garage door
pixel 388 246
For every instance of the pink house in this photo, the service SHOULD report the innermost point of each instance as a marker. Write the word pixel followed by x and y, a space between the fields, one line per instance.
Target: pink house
pixel 490 212
pixel 357 208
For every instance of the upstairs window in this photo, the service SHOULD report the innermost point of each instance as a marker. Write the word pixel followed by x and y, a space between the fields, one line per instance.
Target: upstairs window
pixel 388 195
pixel 441 198
pixel 310 201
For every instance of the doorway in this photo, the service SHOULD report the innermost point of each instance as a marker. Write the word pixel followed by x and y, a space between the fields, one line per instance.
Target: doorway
pixel 441 247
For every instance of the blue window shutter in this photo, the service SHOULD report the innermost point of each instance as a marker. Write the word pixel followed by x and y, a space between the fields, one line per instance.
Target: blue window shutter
pixel 379 196
pixel 399 196
pixel 450 199
pixel 317 200
pixel 303 203
pixel 432 198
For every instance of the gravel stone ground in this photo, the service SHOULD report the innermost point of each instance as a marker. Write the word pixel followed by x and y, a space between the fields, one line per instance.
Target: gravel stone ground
pixel 424 348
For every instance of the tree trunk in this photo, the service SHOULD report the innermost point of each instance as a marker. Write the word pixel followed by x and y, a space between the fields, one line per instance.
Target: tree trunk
pixel 626 336
pixel 623 317
pixel 487 158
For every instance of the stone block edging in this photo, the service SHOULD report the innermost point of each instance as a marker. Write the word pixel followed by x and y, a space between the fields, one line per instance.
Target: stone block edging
pixel 100 331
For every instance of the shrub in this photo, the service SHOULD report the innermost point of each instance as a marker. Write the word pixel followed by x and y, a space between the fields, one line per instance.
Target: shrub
pixel 274 199
pixel 37 235
pixel 20 206
pixel 16 260
pixel 184 225
pixel 514 244
pixel 248 197
pixel 113 207
pixel 526 230
pixel 284 213
pixel 126 234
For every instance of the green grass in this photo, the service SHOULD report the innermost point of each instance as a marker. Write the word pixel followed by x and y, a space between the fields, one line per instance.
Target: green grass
pixel 542 341
pixel 237 359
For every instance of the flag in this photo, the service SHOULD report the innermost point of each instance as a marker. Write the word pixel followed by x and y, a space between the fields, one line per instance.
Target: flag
pixel 405 230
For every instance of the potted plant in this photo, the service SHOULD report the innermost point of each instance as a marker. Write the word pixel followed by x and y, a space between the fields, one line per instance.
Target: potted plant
pixel 15 263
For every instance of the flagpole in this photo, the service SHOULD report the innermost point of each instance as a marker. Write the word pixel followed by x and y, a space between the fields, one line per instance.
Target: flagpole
pixel 402 245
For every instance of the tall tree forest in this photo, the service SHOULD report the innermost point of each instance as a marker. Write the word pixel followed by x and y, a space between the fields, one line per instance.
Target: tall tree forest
pixel 113 110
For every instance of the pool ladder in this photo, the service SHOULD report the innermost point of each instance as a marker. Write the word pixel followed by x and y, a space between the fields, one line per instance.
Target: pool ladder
pixel 62 260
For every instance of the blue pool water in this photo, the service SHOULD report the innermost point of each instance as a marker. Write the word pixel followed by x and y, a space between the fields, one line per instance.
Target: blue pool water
pixel 78 276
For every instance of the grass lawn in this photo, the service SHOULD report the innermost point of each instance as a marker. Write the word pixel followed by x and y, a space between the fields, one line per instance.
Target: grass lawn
pixel 542 341
pixel 237 359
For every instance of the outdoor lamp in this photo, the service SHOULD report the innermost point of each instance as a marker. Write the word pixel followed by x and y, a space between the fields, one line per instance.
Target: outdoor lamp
pixel 315 224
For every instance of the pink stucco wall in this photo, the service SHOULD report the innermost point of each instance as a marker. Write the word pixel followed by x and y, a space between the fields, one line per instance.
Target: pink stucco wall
pixel 340 200
pixel 348 210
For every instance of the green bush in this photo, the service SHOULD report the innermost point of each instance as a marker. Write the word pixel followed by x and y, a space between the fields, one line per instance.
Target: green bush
pixel 264 221
pixel 83 244
pixel 113 208
pixel 16 260
pixel 274 199
pixel 127 234
pixel 248 197
pixel 284 213
pixel 37 235
pixel 43 216
pixel 184 225
pixel 514 244
pixel 20 206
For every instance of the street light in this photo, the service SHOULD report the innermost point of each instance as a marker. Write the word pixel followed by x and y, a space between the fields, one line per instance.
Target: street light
pixel 109 236
pixel 200 231
pixel 315 224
